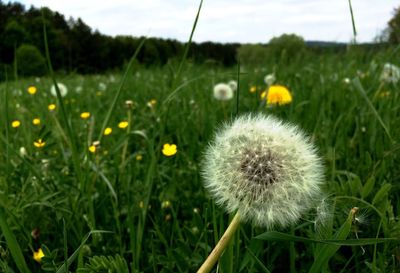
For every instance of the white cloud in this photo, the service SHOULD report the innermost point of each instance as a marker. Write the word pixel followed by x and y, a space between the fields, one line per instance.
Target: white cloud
pixel 230 21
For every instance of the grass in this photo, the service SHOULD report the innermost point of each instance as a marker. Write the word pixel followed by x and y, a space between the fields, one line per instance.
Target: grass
pixel 355 127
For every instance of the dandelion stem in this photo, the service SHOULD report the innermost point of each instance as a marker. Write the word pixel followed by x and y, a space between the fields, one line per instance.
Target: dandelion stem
pixel 221 245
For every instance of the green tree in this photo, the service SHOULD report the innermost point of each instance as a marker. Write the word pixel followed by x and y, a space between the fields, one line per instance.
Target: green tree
pixel 286 47
pixel 394 28
pixel 30 61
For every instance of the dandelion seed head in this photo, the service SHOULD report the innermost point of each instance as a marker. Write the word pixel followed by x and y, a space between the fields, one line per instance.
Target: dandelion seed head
pixel 63 90
pixel 266 170
pixel 223 91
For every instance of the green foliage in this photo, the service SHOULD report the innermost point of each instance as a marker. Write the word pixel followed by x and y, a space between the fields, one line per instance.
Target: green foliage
pixel 30 61
pixel 105 264
pixel 256 54
pixel 394 28
pixel 286 47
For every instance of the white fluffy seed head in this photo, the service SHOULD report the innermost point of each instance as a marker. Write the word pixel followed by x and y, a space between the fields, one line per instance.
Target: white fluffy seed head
pixel 63 90
pixel 223 91
pixel 266 170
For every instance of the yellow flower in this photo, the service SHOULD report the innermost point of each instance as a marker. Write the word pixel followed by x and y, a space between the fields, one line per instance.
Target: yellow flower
pixel 107 131
pixel 51 107
pixel 38 255
pixel 39 143
pixel 92 148
pixel 166 204
pixel 278 94
pixel 253 89
pixel 169 149
pixel 36 121
pixel 139 157
pixel 15 124
pixel 152 103
pixel 263 95
pixel 85 115
pixel 123 124
pixel 32 90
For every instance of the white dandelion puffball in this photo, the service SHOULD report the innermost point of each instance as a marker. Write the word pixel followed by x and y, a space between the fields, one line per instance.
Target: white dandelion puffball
pixel 265 170
pixel 390 73
pixel 63 90
pixel 233 85
pixel 222 91
pixel 270 79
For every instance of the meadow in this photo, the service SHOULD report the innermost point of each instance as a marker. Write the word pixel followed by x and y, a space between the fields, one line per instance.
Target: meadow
pixel 114 202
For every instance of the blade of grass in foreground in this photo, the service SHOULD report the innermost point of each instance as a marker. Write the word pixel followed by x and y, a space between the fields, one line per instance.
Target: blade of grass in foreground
pixel 119 91
pixel 74 149
pixel 357 84
pixel 12 244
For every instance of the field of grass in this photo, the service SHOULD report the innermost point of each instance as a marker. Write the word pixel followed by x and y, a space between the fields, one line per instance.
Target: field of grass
pixel 95 202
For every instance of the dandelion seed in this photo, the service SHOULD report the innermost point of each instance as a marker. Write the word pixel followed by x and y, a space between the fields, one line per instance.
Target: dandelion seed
pixel 346 81
pixel 61 87
pixel 36 121
pixel 39 143
pixel 32 90
pixel 15 124
pixel 278 94
pixel 102 86
pixel 223 92
pixel 78 89
pixel 38 255
pixel 270 79
pixel 390 73
pixel 169 149
pixel 23 152
pixel 52 107
pixel 233 85
pixel 85 115
pixel 123 124
pixel 272 177
pixel 107 131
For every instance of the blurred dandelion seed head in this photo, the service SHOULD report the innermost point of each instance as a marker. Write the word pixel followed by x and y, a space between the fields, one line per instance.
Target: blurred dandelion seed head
pixel 63 90
pixel 266 170
pixel 223 91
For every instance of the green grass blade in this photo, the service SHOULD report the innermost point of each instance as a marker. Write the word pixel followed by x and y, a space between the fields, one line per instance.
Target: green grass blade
pixel 74 255
pixel 12 244
pixel 353 21
pixel 119 91
pixel 357 84
pixel 279 236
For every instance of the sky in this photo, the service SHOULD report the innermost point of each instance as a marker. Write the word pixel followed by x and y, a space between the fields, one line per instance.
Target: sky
pixel 244 21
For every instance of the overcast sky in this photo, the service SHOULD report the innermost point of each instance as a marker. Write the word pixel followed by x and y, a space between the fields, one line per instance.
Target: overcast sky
pixel 245 21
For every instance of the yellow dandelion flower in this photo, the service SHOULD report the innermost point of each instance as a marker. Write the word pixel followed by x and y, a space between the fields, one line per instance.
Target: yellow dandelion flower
pixel 92 148
pixel 253 89
pixel 139 157
pixel 169 149
pixel 278 94
pixel 51 107
pixel 39 143
pixel 85 115
pixel 151 103
pixel 166 204
pixel 15 124
pixel 123 124
pixel 107 131
pixel 36 121
pixel 38 255
pixel 32 90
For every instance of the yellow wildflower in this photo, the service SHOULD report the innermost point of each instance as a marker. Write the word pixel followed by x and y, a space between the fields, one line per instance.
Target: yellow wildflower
pixel 169 149
pixel 36 121
pixel 51 107
pixel 151 103
pixel 15 124
pixel 38 255
pixel 32 90
pixel 107 131
pixel 92 148
pixel 263 95
pixel 278 94
pixel 85 115
pixel 253 89
pixel 39 143
pixel 139 157
pixel 166 204
pixel 123 124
